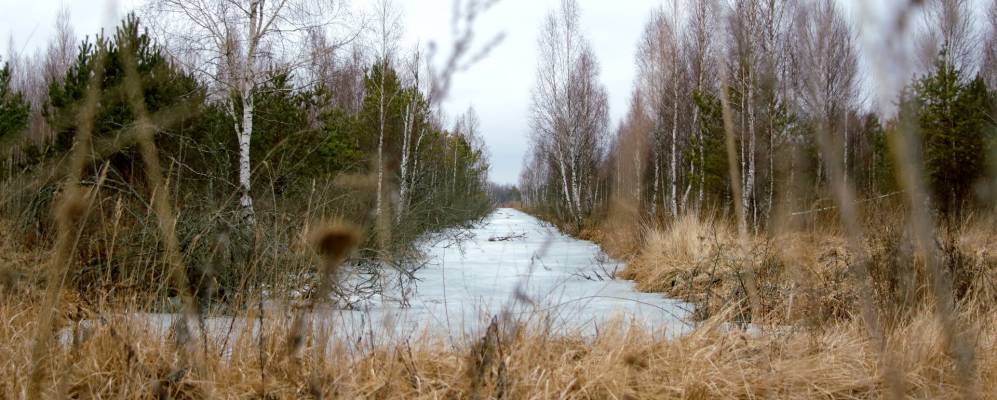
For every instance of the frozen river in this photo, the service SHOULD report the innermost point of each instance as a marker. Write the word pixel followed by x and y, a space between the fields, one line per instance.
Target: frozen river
pixel 513 265
pixel 510 266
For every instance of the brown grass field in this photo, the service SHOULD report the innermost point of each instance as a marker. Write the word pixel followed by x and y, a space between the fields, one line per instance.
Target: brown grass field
pixel 808 344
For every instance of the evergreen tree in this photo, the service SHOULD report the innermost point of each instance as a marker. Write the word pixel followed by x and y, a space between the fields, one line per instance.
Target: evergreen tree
pixel 13 107
pixel 340 147
pixel 882 178
pixel 715 174
pixel 952 117
pixel 172 97
pixel 369 117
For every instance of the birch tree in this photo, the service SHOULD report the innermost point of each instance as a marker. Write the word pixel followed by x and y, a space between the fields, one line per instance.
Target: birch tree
pixel 388 33
pixel 662 74
pixel 629 158
pixel 827 67
pixel 756 65
pixel 743 29
pixel 950 25
pixel 229 43
pixel 413 131
pixel 569 109
pixel 989 67
pixel 699 52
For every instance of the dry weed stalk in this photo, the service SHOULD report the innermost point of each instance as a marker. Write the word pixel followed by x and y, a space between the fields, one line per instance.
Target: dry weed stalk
pixel 176 271
pixel 747 279
pixel 955 336
pixel 72 208
pixel 333 242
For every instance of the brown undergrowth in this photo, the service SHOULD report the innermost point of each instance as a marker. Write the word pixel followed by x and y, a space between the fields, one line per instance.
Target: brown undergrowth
pixel 118 355
pixel 803 276
pixel 121 359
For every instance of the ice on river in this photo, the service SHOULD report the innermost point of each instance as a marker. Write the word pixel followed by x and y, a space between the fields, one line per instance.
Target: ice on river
pixel 511 264
pixel 513 260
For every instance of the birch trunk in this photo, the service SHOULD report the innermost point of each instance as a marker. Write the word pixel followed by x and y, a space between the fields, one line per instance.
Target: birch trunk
pixel 673 170
pixel 403 185
pixel 379 202
pixel 245 170
pixel 749 184
pixel 702 158
pixel 656 185
pixel 247 82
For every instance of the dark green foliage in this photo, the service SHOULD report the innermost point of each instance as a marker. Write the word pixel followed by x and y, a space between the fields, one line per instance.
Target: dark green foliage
pixel 13 107
pixel 369 119
pixel 715 175
pixel 284 145
pixel 171 96
pixel 300 145
pixel 882 173
pixel 952 117
pixel 340 147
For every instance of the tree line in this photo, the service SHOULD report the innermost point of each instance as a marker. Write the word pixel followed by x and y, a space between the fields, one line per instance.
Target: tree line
pixel 302 108
pixel 750 109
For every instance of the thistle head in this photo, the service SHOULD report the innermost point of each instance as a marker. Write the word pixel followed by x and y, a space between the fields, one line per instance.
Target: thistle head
pixel 334 241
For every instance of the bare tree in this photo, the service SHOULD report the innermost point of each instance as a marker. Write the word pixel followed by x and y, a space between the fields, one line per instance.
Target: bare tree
pixel 989 67
pixel 700 57
pixel 950 25
pixel 569 109
pixel 756 65
pixel 230 42
pixel 744 29
pixel 628 160
pixel 663 75
pixel 62 50
pixel 413 132
pixel 33 73
pixel 388 33
pixel 827 67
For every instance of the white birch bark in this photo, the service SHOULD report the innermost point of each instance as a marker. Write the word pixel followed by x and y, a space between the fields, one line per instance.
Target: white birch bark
pixel 673 170
pixel 403 184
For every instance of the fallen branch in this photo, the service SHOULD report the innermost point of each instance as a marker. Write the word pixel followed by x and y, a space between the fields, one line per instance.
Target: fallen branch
pixel 511 236
pixel 857 202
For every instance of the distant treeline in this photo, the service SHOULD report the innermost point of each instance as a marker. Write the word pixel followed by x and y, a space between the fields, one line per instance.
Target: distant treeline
pixel 759 104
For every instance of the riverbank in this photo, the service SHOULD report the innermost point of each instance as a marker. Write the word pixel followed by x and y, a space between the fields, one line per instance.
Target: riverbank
pixel 803 277
pixel 804 283
pixel 513 358
pixel 120 360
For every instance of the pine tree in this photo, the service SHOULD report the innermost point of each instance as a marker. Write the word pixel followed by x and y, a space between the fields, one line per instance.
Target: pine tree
pixel 13 106
pixel 715 176
pixel 952 116
pixel 172 97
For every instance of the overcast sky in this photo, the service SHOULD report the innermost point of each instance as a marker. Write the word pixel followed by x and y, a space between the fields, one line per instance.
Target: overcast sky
pixel 498 87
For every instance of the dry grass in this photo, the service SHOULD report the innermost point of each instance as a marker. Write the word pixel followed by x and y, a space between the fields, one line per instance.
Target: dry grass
pixel 118 357
pixel 121 359
pixel 803 276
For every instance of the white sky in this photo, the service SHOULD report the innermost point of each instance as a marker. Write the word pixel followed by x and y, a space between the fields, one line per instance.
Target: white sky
pixel 498 87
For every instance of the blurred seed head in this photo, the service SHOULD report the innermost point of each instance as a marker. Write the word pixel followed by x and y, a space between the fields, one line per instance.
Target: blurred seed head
pixel 334 241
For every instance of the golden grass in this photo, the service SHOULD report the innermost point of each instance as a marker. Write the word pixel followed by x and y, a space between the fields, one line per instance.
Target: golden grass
pixel 124 360
pixel 803 276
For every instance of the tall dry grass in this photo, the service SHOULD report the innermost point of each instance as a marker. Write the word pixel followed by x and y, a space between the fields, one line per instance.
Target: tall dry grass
pixel 120 357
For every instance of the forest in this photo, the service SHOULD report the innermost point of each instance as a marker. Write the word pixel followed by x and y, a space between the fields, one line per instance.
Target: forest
pixel 186 199
pixel 231 154
pixel 780 165
pixel 787 76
